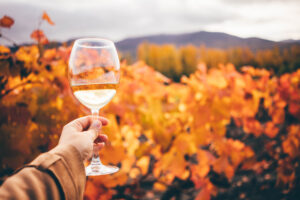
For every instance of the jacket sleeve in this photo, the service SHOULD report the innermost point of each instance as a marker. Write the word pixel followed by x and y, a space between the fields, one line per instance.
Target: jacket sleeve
pixel 57 174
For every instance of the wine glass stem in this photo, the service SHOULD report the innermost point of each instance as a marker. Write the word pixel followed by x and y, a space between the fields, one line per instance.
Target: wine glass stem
pixel 95 159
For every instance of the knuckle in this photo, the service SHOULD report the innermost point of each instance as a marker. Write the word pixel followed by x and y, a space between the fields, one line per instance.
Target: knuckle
pixel 93 135
pixel 64 128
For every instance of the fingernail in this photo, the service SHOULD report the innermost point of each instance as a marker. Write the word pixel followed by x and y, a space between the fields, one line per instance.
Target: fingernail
pixel 96 124
pixel 104 135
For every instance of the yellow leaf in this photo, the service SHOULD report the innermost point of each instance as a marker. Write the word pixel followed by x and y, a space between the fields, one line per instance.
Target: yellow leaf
pixel 143 164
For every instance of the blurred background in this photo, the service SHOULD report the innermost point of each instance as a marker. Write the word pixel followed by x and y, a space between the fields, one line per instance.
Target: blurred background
pixel 209 101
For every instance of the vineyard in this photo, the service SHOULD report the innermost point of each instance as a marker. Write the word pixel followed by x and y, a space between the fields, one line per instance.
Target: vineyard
pixel 217 134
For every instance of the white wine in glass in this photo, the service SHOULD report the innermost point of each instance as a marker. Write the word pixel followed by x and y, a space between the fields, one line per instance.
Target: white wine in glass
pixel 94 70
pixel 96 95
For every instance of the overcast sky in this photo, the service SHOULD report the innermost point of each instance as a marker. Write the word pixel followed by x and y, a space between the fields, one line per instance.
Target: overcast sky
pixel 119 19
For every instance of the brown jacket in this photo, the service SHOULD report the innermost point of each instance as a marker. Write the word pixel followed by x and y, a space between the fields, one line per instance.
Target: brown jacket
pixel 57 174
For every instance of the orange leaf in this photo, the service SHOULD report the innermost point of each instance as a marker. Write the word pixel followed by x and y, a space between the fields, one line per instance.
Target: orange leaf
pixel 271 130
pixel 47 18
pixel 113 154
pixel 201 169
pixel 223 166
pixel 91 191
pixel 39 36
pixel 49 55
pixel 134 173
pixel 119 178
pixel 251 125
pixel 6 21
pixel 159 186
pixel 4 49
pixel 229 172
pixel 143 164
pixel 204 194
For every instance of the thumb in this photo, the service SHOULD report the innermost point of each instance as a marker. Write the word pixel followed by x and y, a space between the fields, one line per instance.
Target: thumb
pixel 94 129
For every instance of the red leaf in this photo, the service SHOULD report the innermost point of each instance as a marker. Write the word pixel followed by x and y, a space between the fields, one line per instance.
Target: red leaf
pixel 39 36
pixel 6 21
pixel 204 194
pixel 47 18
pixel 271 130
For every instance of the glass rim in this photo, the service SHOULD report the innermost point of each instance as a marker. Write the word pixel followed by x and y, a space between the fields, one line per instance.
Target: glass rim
pixel 106 42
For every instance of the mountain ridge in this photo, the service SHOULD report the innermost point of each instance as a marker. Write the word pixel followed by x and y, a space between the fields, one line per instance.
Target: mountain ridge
pixel 217 40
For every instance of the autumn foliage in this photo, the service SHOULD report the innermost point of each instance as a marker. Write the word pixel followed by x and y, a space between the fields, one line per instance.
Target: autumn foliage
pixel 217 134
pixel 174 61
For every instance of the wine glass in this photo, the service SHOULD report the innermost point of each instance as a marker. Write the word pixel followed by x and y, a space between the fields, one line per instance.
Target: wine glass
pixel 94 72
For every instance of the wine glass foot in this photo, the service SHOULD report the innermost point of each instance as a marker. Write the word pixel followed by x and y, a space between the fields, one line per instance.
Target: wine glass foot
pixel 95 170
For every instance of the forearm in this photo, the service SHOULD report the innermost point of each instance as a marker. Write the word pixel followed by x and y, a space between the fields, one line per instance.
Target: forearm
pixel 31 183
pixel 58 174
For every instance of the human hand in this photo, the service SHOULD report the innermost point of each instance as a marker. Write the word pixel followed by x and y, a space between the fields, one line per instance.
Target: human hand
pixel 82 132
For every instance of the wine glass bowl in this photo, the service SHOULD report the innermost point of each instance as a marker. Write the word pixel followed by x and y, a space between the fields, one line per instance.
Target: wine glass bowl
pixel 94 72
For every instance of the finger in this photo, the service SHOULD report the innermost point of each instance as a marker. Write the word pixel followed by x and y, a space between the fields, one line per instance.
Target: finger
pixel 98 147
pixel 83 123
pixel 101 138
pixel 103 120
pixel 94 129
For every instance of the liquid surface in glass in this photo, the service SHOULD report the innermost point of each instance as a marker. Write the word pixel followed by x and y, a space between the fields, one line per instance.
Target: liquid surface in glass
pixel 94 96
